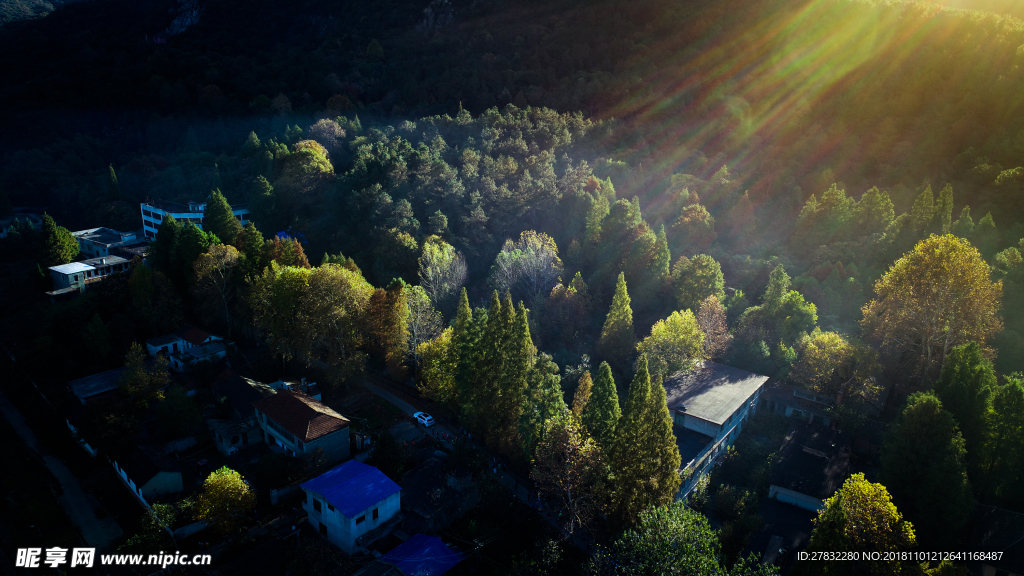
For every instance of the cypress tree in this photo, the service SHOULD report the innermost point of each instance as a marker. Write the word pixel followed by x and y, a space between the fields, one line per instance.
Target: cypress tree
pixel 923 211
pixel 250 243
pixel 630 453
pixel 617 337
pixel 965 387
pixel 219 219
pixel 470 343
pixel 602 413
pixel 944 210
pixel 662 257
pixel 584 389
pixel 113 186
pixel 964 226
pixel 662 450
pixel 189 243
pixel 161 251
pixel 986 236
pixel 59 246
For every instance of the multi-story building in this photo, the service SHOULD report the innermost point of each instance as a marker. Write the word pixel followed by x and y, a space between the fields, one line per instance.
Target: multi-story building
pixel 709 406
pixel 76 275
pixel 153 214
pixel 352 505
pixel 98 242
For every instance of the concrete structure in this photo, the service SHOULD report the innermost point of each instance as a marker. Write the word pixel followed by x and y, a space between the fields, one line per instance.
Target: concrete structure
pixel 79 274
pixel 796 402
pixel 1000 531
pixel 98 242
pixel 97 386
pixel 813 463
pixel 420 555
pixel 298 385
pixel 298 424
pixel 187 346
pixel 237 394
pixel 352 505
pixel 709 406
pixel 153 213
pixel 146 475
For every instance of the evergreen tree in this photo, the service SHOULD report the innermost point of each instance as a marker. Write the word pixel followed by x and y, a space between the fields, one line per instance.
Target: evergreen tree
pixel 516 364
pixel 924 467
pixel 965 388
pixel 602 413
pixel 59 246
pixel 542 402
pixel 645 458
pixel 387 311
pixel 964 225
pixel 161 251
pixel 582 395
pixel 986 237
pixel 263 206
pixel 189 243
pixel 219 219
pixel 694 280
pixel 617 337
pixel 944 211
pixel 250 244
pixel 1005 467
pixel 923 211
pixel 113 187
pixel 662 257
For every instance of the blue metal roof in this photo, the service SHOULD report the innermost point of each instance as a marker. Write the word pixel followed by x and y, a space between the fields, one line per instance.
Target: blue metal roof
pixel 422 555
pixel 353 487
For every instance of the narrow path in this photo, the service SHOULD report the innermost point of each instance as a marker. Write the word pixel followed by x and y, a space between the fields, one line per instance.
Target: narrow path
pixel 80 506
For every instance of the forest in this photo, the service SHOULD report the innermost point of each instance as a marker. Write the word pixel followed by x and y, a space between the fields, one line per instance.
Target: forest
pixel 542 210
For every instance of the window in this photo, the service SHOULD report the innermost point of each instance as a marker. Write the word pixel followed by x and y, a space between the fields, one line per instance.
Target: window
pixel 376 513
pixel 330 507
pixel 361 519
pixel 316 505
pixel 323 529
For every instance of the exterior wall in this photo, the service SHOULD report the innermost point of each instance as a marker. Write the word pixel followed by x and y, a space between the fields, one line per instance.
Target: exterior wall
pixel 162 484
pixel 335 446
pixel 152 217
pixel 702 426
pixel 67 280
pixel 343 531
pixel 169 348
pixel 795 498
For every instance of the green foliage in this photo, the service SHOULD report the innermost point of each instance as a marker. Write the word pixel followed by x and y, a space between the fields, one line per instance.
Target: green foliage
pixel 1005 450
pixel 140 381
pixel 965 387
pixel 617 337
pixel 695 279
pixel 219 220
pixel 924 467
pixel 675 344
pixel 178 414
pixel 189 244
pixel 161 251
pixel 602 413
pixel 226 501
pixel 58 245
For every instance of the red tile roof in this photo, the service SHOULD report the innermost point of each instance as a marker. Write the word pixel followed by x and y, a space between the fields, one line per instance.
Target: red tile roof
pixel 303 416
pixel 192 335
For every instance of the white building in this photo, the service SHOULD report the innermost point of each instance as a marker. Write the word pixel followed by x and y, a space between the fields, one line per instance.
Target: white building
pixel 352 505
pixel 187 346
pixel 147 475
pixel 78 274
pixel 710 405
pixel 153 214
pixel 97 242
pixel 296 424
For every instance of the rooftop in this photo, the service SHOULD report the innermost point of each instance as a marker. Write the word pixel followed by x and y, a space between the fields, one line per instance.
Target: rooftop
pixel 352 487
pixel 813 460
pixel 90 386
pixel 105 261
pixel 302 415
pixel 176 208
pixel 711 392
pixel 72 268
pixel 187 332
pixel 240 392
pixel 422 554
pixel 105 236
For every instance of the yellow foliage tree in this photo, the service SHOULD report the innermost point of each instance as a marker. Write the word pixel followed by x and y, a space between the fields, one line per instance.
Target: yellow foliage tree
pixel 227 500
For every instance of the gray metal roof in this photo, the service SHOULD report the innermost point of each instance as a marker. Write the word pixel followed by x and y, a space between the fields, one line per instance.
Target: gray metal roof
pixel 105 261
pixel 85 388
pixel 711 392
pixel 72 268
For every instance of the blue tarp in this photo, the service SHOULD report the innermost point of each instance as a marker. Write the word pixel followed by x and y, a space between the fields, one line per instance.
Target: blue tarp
pixel 422 555
pixel 353 487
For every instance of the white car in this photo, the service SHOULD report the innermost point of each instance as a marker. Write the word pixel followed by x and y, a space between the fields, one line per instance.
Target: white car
pixel 426 419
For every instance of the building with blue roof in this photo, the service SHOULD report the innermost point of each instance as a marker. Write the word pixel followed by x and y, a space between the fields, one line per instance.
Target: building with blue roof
pixel 422 555
pixel 352 504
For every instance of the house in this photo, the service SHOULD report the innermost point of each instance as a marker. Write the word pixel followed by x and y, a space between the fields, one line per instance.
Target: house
pixel 147 475
pixel 709 406
pixel 96 387
pixel 238 394
pixel 300 385
pixel 298 424
pixel 187 346
pixel 79 274
pixel 352 505
pixel 796 402
pixel 153 214
pixel 813 463
pixel 99 242
pixel 420 555
pixel 1000 531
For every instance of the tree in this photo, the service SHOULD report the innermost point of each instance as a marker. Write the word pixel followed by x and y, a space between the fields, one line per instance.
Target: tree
pixel 567 310
pixel 263 205
pixel 96 336
pixel 602 413
pixel 529 267
pixel 226 502
pixel 617 338
pixel 696 279
pixel 964 225
pixel 986 236
pixel 676 343
pixel 424 321
pixel 215 270
pixel 161 251
pixel 58 245
pixel 711 318
pixel 328 134
pixel 113 187
pixel 829 364
pixel 1005 467
pixel 873 213
pixel 923 211
pixel 219 219
pixel 697 229
pixel 582 395
pixel 965 387
pixel 374 51
pixel 442 271
pixel 541 402
pixel 178 415
pixel 438 365
pixel 924 466
pixel 935 297
pixel 673 539
pixel 189 244
pixel 644 458
pixel 250 244
pixel 286 252
pixel 861 517
pixel 944 211
pixel 141 382
pixel 387 316
pixel 570 470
